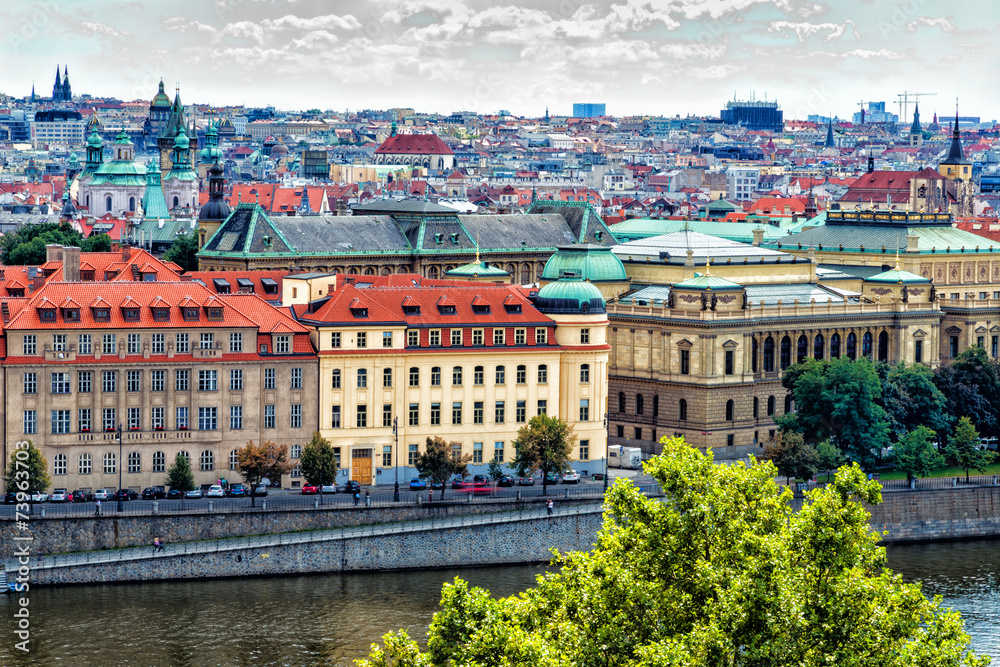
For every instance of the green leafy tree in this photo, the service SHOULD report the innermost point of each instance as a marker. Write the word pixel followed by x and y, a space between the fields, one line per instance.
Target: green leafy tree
pixel 27 244
pixel 915 453
pixel 257 462
pixel 27 473
pixel 543 444
pixel 971 385
pixel 964 450
pixel 318 462
pixel 792 456
pixel 96 243
pixel 179 475
pixel 439 462
pixel 829 457
pixel 184 251
pixel 911 398
pixel 720 572
pixel 494 470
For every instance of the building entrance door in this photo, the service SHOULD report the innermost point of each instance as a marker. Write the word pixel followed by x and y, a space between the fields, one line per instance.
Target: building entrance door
pixel 361 466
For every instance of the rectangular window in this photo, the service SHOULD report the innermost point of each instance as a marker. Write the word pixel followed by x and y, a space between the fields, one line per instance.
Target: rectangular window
pixel 543 407
pixel 159 345
pixel 953 344
pixel 981 342
pixel 520 412
pixel 498 412
pixel 108 344
pixel 109 381
pixel 386 339
pixel 158 419
pixel 133 381
pixel 59 343
pixel 387 415
pixel 208 419
pixel 84 344
pixel 181 418
pixel 456 412
pixel 918 351
pixel 60 383
pixel 362 378
pixel 543 374
pixel 84 420
pixel 414 414
pixel 477 412
pixel 296 378
pixel 182 380
pixel 414 377
pixel 235 417
pixel 456 337
pixel 60 421
pixel 387 377
pixel 477 336
pixel 183 343
pixel 541 336
pixel 584 409
pixel 132 419
pixel 269 420
pixel 499 336
pixel 412 338
pixel 236 379
pixel 296 419
pixel 412 454
pixel 387 456
pixel 207 341
pixel 335 339
pixel 685 362
pixel 585 450
pixel 270 378
pixel 584 336
pixel 282 344
pixel 498 452
pixel 362 417
pixel 108 419
pixel 435 414
pixel 730 365
pixel 335 378
pixel 477 452
pixel 520 336
pixel 435 337
pixel 29 345
pixel 208 380
pixel 995 342
pixel 133 343
pixel 362 339
pixel 235 342
pixel 30 422
pixel 335 417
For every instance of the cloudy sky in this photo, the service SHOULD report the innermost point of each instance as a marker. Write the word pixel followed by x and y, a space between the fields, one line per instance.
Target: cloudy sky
pixel 638 56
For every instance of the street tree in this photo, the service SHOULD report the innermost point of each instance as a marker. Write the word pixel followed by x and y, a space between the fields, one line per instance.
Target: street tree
pixel 318 462
pixel 720 571
pixel 440 461
pixel 494 470
pixel 27 473
pixel 915 453
pixel 829 457
pixel 543 444
pixel 257 462
pixel 792 456
pixel 965 451
pixel 179 475
pixel 183 251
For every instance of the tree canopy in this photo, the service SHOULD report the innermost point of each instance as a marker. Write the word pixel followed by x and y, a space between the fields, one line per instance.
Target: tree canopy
pixel 183 251
pixel 27 244
pixel 971 386
pixel 318 462
pixel 28 471
pixel 439 461
pixel 543 444
pixel 964 449
pixel 179 475
pixel 255 462
pixel 792 456
pixel 721 571
pixel 915 453
pixel 911 398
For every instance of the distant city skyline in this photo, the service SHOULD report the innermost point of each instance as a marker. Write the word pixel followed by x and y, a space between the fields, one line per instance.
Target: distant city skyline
pixel 637 57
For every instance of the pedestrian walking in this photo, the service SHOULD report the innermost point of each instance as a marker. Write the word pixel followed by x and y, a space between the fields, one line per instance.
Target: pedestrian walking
pixel 368 499
pixel 97 508
pixel 357 498
pixel 430 496
pixel 157 544
pixel 550 506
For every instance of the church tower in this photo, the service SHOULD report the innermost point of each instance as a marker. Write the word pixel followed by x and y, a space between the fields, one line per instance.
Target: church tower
pixel 916 133
pixel 61 92
pixel 957 172
pixel 829 134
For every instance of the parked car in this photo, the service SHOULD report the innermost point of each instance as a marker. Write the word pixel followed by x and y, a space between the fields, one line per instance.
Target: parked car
pixel 329 488
pixel 570 477
pixel 125 494
pixel 260 491
pixel 82 496
pixel 457 482
pixel 174 494
pixel 153 493
pixel 102 494
pixel 480 480
pixel 552 477
pixel 352 486
pixel 215 491
pixel 237 491
pixel 10 498
pixel 39 497
pixel 526 481
pixel 310 490
pixel 506 480
pixel 417 484
pixel 438 484
pixel 59 495
pixel 193 493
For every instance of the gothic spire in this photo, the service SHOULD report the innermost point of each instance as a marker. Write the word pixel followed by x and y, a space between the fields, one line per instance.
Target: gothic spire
pixel 955 154
pixel 915 128
pixel 58 78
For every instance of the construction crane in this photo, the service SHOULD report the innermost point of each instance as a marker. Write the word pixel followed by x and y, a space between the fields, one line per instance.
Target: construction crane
pixel 904 102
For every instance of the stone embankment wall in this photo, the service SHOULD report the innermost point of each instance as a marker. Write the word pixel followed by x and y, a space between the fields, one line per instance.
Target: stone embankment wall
pixel 517 541
pixel 939 514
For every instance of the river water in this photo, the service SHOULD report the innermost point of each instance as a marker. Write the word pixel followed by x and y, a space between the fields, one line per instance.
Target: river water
pixel 332 619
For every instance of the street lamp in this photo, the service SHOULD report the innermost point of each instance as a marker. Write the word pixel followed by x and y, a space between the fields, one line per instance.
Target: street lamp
pixel 395 452
pixel 607 443
pixel 121 505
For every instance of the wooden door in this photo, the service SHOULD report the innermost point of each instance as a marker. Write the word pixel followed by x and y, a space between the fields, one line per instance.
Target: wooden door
pixel 361 466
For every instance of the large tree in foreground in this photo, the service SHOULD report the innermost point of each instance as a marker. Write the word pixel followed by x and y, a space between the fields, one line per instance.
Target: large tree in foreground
pixel 720 572
pixel 544 444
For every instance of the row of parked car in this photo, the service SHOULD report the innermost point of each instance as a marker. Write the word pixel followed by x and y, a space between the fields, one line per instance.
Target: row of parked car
pixel 149 493
pixel 481 481
pixel 350 486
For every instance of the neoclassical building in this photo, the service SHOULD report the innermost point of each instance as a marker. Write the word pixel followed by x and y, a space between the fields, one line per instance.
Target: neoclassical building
pixel 415 150
pixel 116 186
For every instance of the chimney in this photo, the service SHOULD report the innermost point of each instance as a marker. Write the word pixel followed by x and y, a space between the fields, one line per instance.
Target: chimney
pixel 71 264
pixel 690 258
pixel 37 282
pixel 758 236
pixel 126 252
pixel 53 252
pixel 912 243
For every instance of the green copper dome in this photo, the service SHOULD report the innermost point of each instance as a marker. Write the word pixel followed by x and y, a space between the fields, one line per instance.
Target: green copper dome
pixel 706 282
pixel 181 140
pixel 570 295
pixel 477 268
pixel 94 140
pixel 161 99
pixel 897 276
pixel 595 263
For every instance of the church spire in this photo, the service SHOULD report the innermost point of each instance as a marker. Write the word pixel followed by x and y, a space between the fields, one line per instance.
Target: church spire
pixel 58 78
pixel 915 128
pixel 955 154
pixel 829 134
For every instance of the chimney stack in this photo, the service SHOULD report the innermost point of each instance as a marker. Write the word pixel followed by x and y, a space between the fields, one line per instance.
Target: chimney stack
pixel 53 252
pixel 912 243
pixel 71 264
pixel 126 252
pixel 758 236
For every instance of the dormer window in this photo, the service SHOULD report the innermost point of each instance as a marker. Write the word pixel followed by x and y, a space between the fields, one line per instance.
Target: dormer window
pixel 215 313
pixel 87 275
pixel 149 277
pixel 411 310
pixel 71 315
pixel 454 238
pixel 47 314
pixel 130 314
pixel 270 285
pixel 359 312
pixel 481 309
pixel 512 307
pixel 439 238
pixel 102 314
pixel 445 309
pixel 161 314
pixel 191 314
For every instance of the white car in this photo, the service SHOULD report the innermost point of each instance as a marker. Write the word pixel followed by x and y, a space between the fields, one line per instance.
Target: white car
pixel 329 488
pixel 193 493
pixel 39 497
pixel 58 496
pixel 102 494
pixel 571 477
pixel 215 491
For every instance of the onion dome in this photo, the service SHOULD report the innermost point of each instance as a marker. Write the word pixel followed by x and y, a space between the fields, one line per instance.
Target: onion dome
pixel 181 140
pixel 94 140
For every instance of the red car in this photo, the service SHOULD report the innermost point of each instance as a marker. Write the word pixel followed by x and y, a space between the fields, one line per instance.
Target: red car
pixel 310 489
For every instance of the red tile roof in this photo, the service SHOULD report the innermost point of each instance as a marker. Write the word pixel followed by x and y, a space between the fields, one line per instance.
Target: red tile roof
pixel 414 144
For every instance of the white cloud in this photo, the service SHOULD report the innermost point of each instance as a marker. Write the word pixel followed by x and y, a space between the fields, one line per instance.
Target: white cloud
pixel 804 29
pixel 324 22
pixel 945 24
pixel 866 54
pixel 103 28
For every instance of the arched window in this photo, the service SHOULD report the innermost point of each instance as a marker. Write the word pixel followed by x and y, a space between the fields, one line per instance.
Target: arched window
pixel 185 455
pixel 756 407
pixel 753 354
pixel 501 375
pixel 584 373
pixel 176 202
pixel 621 401
pixel 638 404
pixel 803 349
pixel 435 376
pixel 682 410
pixel 768 354
pixel 543 374
pixel 207 460
pixel 59 465
pixel 818 347
pixel 159 462
pixel 786 352
pixel 131 204
pixel 729 410
pixel 852 346
pixel 883 346
pixel 521 374
pixel 134 462
pixel 770 406
pixel 866 345
pixel 107 203
pixel 86 464
pixel 110 463
pixel 456 375
pixel 234 459
pixel 835 346
pixel 335 375
pixel 788 403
